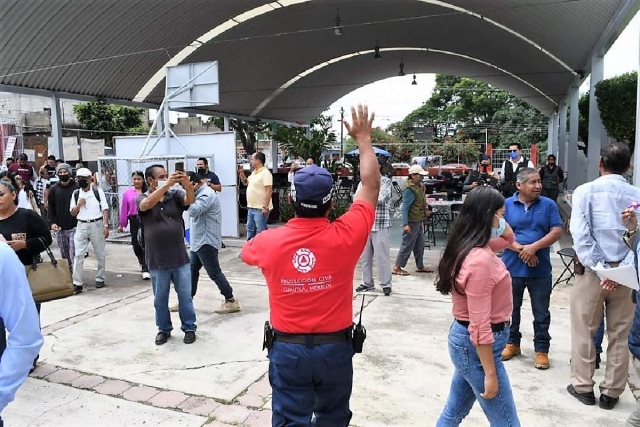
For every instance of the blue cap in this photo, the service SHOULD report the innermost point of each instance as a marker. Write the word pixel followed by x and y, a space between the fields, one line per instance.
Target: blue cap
pixel 484 157
pixel 313 186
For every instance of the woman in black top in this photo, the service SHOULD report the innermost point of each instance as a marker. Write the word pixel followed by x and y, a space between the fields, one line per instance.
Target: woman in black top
pixel 26 232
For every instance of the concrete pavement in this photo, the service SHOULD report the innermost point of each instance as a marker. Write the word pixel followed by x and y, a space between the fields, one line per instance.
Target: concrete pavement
pixel 100 366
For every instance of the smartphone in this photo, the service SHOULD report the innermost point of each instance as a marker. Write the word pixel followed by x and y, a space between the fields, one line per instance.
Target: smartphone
pixel 179 166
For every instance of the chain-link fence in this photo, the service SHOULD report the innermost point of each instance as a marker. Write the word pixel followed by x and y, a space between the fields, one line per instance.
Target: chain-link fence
pixel 114 177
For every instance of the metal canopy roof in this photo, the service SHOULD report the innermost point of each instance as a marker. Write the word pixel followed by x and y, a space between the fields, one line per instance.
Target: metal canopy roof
pixel 281 60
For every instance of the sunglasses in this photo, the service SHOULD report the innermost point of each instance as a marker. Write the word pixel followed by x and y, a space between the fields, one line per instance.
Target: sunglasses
pixel 513 151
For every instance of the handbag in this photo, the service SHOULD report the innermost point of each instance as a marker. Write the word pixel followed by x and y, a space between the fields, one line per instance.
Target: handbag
pixel 49 281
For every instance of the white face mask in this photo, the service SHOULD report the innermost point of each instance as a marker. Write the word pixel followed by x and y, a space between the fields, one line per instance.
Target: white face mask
pixel 162 183
pixel 502 225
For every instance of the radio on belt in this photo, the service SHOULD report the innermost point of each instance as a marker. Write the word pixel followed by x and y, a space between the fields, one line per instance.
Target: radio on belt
pixel 359 332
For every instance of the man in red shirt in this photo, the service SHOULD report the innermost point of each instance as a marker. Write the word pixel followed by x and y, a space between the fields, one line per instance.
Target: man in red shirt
pixel 309 265
pixel 23 168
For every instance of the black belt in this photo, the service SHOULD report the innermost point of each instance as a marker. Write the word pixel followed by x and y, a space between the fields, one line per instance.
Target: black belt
pixel 89 220
pixel 314 339
pixel 495 327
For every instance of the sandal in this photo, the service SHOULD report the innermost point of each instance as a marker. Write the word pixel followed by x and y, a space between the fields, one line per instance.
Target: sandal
pixel 424 270
pixel 399 272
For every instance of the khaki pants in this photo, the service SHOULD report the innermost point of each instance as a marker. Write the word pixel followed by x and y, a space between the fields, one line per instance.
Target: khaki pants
pixel 587 298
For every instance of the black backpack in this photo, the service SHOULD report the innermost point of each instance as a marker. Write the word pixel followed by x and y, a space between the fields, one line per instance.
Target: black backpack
pixel 76 194
pixel 509 184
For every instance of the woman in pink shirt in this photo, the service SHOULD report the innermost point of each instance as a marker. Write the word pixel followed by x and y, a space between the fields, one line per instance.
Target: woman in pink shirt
pixel 129 214
pixel 480 286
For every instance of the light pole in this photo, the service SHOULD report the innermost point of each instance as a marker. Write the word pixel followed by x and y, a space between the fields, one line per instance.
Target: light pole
pixel 341 132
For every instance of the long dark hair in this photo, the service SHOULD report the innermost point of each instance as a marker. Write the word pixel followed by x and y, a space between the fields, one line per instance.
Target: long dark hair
pixel 472 229
pixel 144 182
pixel 13 185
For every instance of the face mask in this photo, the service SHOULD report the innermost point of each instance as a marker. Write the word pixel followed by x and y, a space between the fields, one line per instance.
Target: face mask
pixel 513 155
pixel 83 183
pixel 202 171
pixel 161 184
pixel 497 232
pixel 64 178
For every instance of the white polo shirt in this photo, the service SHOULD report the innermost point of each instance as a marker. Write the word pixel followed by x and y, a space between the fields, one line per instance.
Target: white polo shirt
pixel 92 209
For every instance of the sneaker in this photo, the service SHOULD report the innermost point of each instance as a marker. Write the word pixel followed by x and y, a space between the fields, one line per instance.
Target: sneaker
pixel 541 361
pixel 608 402
pixel 99 285
pixel 175 307
pixel 162 337
pixel 228 307
pixel 77 289
pixel 189 337
pixel 587 398
pixel 510 351
pixel 146 275
pixel 387 291
pixel 364 288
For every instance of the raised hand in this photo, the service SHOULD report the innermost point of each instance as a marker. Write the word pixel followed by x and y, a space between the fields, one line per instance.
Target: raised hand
pixel 360 127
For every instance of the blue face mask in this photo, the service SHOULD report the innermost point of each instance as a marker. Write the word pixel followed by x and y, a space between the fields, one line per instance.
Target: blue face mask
pixel 497 232
pixel 513 155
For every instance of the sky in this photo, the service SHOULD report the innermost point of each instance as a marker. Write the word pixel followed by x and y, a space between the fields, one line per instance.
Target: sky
pixel 392 99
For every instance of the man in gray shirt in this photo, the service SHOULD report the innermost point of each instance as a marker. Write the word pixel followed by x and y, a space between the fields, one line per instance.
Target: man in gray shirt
pixel 206 240
pixel 160 211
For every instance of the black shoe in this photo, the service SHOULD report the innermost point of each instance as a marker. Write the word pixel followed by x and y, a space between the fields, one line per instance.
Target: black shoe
pixel 189 337
pixel 598 360
pixel 607 402
pixel 363 288
pixel 99 285
pixel 77 289
pixel 162 337
pixel 387 291
pixel 587 398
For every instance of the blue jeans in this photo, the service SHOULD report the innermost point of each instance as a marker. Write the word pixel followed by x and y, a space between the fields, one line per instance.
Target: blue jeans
pixel 540 295
pixel 311 380
pixel 634 333
pixel 599 336
pixel 256 222
pixel 161 283
pixel 468 382
pixel 207 256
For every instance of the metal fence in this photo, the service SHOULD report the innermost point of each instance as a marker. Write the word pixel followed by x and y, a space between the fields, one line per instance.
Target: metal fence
pixel 114 178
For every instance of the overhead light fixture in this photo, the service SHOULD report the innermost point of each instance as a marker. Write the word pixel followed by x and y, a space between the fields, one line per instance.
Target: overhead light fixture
pixel 377 50
pixel 401 73
pixel 337 29
pixel 414 82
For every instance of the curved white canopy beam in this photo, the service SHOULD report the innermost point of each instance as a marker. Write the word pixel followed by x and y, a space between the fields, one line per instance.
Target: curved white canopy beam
pixel 305 73
pixel 270 7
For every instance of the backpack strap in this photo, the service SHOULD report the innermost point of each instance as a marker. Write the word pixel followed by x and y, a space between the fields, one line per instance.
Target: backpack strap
pixel 76 193
pixel 96 193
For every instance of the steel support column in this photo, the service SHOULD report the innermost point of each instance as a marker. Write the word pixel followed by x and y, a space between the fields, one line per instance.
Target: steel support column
pixel 597 134
pixel 636 155
pixel 56 126
pixel 561 153
pixel 570 164
pixel 550 136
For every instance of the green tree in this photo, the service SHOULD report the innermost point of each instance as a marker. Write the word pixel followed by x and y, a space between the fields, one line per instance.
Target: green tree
pixel 245 130
pixel 105 119
pixel 296 143
pixel 474 108
pixel 617 104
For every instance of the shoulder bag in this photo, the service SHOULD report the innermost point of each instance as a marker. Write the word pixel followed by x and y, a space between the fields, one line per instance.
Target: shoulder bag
pixel 49 281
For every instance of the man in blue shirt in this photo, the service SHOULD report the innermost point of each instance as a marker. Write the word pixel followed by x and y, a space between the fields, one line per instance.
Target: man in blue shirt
pixel 536 222
pixel 19 316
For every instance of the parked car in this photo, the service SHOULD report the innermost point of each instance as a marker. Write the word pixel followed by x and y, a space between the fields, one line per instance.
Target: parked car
pixel 400 169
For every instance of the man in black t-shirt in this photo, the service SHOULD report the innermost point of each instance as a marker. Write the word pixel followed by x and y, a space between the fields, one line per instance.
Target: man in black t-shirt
pixel 58 205
pixel 212 179
pixel 160 210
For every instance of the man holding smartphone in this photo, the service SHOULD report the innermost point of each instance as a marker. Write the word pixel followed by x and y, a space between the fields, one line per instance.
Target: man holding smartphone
pixel 259 185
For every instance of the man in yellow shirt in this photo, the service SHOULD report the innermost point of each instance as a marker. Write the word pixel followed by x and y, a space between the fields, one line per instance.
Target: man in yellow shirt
pixel 259 185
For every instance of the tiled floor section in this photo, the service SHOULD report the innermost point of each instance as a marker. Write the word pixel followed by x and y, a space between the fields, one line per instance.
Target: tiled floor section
pixel 251 409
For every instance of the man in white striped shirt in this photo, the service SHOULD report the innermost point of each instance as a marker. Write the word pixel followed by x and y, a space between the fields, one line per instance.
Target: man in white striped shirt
pixel 597 230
